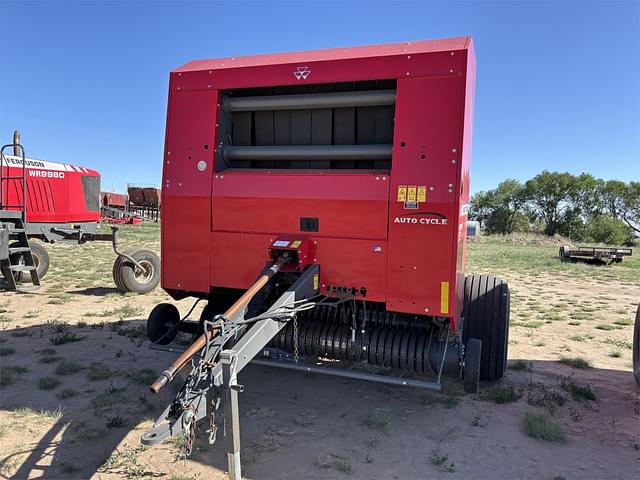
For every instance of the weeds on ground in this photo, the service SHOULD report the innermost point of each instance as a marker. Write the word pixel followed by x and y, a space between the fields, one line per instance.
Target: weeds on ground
pixel 9 374
pixel 331 460
pixel 125 311
pixel 378 422
pixel 30 413
pixel 519 365
pixel 577 391
pixel 99 371
pixel 576 362
pixel 142 376
pixel 5 351
pixel 68 367
pixel 67 393
pixel 66 337
pixel 48 383
pixel 442 461
pixel 501 394
pixel 605 326
pixel 539 427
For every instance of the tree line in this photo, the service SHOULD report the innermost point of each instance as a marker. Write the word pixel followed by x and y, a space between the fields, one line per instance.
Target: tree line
pixel 582 207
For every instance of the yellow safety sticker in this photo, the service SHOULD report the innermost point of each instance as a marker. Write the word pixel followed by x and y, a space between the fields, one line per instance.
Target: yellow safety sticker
pixel 422 193
pixel 402 193
pixel 315 281
pixel 411 193
pixel 296 244
pixel 444 297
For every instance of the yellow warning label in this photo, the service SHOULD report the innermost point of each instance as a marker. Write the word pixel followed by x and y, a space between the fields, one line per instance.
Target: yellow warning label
pixel 422 193
pixel 402 193
pixel 315 281
pixel 296 244
pixel 444 297
pixel 411 193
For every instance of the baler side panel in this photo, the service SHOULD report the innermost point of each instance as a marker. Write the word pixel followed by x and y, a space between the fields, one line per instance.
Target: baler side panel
pixel 186 198
pixel 464 177
pixel 420 276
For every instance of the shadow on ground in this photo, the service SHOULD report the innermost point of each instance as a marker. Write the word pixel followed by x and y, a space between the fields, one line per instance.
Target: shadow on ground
pixel 295 425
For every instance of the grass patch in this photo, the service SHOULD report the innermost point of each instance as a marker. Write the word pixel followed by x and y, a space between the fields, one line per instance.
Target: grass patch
pixel 116 422
pixel 501 394
pixel 142 376
pixel 48 383
pixel 539 427
pixel 339 462
pixel 605 326
pixel 442 461
pixel 624 322
pixel 107 399
pixel 9 374
pixel 576 362
pixel 125 311
pixel 618 343
pixel 615 354
pixel 26 412
pixel 99 371
pixel 4 351
pixel 532 324
pixel 68 367
pixel 377 422
pixel 66 337
pixel 577 391
pixel 518 365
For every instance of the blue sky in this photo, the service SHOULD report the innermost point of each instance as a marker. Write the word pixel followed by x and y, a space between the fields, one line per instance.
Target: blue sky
pixel 558 82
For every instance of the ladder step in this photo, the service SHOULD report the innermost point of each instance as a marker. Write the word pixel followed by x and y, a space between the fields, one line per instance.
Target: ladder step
pixel 19 249
pixel 21 268
pixel 13 231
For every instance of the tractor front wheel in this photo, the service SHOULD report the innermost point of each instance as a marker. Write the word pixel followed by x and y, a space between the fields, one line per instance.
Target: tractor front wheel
pixel 486 318
pixel 40 259
pixel 140 279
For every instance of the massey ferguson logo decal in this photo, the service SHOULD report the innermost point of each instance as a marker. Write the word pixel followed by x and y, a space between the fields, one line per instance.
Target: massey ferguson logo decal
pixel 422 218
pixel 302 73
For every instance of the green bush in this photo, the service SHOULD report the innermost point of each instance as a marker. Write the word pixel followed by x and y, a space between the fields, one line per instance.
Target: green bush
pixel 608 230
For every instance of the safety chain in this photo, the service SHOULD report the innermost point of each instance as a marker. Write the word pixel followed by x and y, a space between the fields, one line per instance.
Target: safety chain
pixel 295 338
pixel 189 429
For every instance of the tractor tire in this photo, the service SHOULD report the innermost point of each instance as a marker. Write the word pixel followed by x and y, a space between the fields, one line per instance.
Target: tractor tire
pixel 563 259
pixel 117 268
pixel 486 318
pixel 636 347
pixel 40 258
pixel 161 324
pixel 138 280
pixel 472 363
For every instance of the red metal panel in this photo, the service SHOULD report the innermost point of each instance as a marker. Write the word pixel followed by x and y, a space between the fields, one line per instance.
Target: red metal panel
pixel 55 193
pixel 186 191
pixel 343 262
pixel 426 144
pixel 348 205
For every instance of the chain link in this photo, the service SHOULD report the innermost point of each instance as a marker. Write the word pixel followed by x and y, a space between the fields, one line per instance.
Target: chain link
pixel 295 338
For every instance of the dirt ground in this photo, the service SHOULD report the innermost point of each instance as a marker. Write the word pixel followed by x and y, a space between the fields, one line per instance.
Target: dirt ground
pixel 76 365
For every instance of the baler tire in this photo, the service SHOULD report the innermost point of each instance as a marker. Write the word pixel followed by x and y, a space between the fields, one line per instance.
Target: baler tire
pixel 486 317
pixel 129 273
pixel 636 347
pixel 472 365
pixel 161 322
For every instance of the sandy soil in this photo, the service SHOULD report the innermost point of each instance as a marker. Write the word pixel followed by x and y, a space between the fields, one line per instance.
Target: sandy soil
pixel 308 426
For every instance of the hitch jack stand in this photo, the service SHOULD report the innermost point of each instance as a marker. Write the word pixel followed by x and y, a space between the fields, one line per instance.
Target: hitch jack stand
pixel 229 359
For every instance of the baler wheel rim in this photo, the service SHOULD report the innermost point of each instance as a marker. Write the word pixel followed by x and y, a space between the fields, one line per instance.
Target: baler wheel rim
pixel 162 319
pixel 130 278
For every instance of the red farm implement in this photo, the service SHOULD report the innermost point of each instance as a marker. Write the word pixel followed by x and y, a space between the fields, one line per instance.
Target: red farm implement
pixel 57 203
pixel 340 178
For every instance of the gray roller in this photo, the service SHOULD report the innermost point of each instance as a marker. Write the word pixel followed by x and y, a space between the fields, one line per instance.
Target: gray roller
pixel 309 152
pixel 370 98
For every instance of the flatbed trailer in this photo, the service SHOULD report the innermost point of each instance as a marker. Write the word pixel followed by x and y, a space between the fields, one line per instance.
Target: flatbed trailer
pixel 605 254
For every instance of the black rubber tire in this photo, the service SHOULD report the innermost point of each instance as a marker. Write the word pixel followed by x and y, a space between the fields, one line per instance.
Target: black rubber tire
pixel 117 268
pixel 486 317
pixel 561 254
pixel 636 347
pixel 472 365
pixel 162 319
pixel 40 258
pixel 127 271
